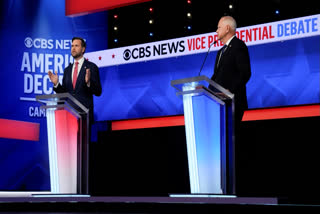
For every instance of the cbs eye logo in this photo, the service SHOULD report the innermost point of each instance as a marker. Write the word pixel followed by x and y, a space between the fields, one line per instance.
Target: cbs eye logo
pixel 127 54
pixel 28 42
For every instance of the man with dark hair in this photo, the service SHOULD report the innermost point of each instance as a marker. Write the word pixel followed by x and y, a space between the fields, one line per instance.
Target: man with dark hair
pixel 83 43
pixel 81 79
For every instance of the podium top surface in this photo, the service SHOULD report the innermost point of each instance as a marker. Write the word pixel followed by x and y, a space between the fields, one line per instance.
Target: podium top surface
pixel 201 82
pixel 62 100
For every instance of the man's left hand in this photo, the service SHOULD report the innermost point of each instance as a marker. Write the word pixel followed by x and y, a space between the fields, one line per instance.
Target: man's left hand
pixel 87 76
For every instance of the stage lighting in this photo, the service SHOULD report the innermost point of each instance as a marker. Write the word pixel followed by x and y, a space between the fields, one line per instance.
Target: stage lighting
pixel 150 34
pixel 189 1
pixel 189 27
pixel 189 15
pixel 115 16
pixel 115 28
pixel 151 9
pixel 151 21
pixel 115 40
pixel 230 6
pixel 277 12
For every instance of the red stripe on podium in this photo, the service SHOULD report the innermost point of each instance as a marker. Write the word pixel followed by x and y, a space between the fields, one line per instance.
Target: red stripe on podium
pixel 148 123
pixel 20 130
pixel 281 113
pixel 66 138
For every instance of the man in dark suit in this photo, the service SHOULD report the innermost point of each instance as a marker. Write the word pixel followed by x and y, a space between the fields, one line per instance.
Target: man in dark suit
pixel 232 68
pixel 232 71
pixel 81 79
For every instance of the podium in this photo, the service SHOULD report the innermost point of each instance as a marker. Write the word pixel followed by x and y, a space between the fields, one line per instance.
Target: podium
pixel 68 138
pixel 208 115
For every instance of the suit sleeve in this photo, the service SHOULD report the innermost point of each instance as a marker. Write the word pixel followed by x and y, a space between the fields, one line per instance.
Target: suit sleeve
pixel 95 84
pixel 61 88
pixel 243 67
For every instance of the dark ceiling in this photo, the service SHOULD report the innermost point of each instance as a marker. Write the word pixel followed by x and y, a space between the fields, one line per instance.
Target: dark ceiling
pixel 171 20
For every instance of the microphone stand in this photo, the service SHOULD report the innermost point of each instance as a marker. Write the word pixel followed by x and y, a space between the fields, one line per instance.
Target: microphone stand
pixel 215 42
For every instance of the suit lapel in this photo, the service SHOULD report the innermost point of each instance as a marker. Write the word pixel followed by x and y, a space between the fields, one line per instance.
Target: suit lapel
pixel 82 73
pixel 229 47
pixel 69 76
pixel 227 50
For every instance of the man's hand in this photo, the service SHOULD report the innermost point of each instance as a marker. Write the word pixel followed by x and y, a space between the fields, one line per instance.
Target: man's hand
pixel 87 76
pixel 53 77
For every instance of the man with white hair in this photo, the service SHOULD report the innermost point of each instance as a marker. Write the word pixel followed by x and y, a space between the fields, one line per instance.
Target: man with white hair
pixel 232 68
pixel 232 71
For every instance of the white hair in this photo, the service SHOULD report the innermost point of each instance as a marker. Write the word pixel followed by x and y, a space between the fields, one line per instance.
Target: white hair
pixel 229 20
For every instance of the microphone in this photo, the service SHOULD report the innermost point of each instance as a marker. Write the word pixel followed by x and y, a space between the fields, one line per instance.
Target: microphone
pixel 215 42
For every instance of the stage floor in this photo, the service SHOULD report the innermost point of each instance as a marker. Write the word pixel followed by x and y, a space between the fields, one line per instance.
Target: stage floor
pixel 34 197
pixel 33 202
pixel 23 202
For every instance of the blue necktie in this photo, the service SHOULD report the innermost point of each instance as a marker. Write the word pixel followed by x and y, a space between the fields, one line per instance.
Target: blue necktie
pixel 221 52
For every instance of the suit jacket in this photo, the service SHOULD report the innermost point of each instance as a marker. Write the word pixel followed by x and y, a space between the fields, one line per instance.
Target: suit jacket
pixel 82 92
pixel 233 73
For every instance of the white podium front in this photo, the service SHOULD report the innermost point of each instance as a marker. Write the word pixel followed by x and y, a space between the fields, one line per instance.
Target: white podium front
pixel 208 113
pixel 67 130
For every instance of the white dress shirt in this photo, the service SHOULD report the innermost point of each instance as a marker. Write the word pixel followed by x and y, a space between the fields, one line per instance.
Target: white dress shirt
pixel 79 67
pixel 73 67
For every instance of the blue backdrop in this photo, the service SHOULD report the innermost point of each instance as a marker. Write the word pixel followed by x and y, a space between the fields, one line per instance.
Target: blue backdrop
pixel 35 36
pixel 283 74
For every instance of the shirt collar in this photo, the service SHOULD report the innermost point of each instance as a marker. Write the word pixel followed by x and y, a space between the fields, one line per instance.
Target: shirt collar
pixel 81 60
pixel 227 43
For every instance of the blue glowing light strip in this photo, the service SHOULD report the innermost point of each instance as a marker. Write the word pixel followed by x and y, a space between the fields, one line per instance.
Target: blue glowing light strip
pixel 202 196
pixel 191 141
pixel 52 146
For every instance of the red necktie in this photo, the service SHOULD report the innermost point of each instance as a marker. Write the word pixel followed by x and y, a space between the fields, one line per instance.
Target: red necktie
pixel 75 75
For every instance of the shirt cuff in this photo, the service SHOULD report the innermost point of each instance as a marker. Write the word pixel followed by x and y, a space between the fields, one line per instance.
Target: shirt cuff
pixel 56 86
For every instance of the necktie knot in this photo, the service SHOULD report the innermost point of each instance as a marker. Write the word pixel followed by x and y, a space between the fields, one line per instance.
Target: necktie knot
pixel 224 48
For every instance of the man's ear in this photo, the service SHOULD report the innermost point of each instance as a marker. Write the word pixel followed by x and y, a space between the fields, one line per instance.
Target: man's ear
pixel 228 28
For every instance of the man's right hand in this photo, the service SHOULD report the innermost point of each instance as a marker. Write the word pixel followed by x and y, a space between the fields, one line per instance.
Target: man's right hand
pixel 53 77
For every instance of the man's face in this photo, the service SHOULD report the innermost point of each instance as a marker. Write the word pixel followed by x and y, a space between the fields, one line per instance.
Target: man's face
pixel 222 29
pixel 76 49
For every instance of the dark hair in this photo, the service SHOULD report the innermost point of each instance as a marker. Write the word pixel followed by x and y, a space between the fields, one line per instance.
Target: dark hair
pixel 83 43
